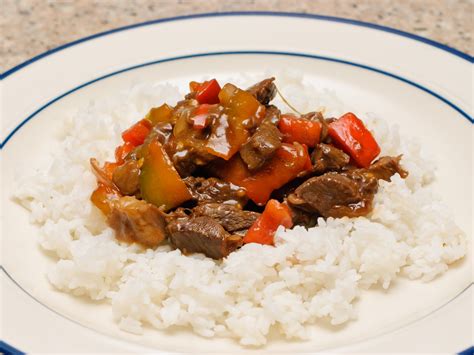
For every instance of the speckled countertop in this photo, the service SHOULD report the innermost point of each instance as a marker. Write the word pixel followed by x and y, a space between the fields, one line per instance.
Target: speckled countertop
pixel 30 27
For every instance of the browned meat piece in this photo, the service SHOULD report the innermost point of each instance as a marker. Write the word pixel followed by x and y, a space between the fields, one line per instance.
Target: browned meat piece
pixel 334 195
pixel 202 235
pixel 348 193
pixel 214 190
pixel 186 159
pixel 180 212
pixel 261 146
pixel 326 158
pixel 127 177
pixel 264 91
pixel 231 217
pixel 303 218
pixel 385 167
pixel 137 221
pixel 264 142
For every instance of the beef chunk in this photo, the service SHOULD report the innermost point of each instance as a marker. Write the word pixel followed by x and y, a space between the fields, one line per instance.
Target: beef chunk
pixel 300 217
pixel 137 221
pixel 264 91
pixel 214 190
pixel 328 158
pixel 349 193
pixel 385 167
pixel 335 195
pixel 231 217
pixel 188 152
pixel 127 177
pixel 264 142
pixel 186 159
pixel 202 235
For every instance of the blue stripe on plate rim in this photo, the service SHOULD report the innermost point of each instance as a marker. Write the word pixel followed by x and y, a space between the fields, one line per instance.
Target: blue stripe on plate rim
pixel 7 349
pixel 412 36
pixel 242 52
pixel 468 351
pixel 5 346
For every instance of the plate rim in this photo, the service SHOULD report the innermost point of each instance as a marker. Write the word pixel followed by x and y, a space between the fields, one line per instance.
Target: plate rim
pixel 312 16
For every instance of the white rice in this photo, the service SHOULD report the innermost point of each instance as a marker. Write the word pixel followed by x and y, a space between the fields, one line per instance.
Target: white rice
pixel 309 275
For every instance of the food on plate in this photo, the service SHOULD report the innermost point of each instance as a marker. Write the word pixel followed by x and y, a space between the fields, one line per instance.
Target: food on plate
pixel 188 174
pixel 225 213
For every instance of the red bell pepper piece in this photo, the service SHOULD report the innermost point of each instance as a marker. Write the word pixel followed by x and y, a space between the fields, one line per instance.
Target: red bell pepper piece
pixel 122 151
pixel 263 229
pixel 208 91
pixel 299 130
pixel 288 162
pixel 350 134
pixel 137 133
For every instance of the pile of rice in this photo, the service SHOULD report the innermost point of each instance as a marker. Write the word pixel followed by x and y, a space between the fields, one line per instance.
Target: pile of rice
pixel 309 275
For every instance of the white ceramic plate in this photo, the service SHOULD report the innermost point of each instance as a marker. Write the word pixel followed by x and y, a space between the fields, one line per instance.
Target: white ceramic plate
pixel 423 86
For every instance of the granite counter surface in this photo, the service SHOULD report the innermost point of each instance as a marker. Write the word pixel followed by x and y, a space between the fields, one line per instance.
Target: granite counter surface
pixel 30 27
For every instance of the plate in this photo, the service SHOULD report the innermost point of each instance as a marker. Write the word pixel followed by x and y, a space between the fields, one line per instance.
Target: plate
pixel 423 86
